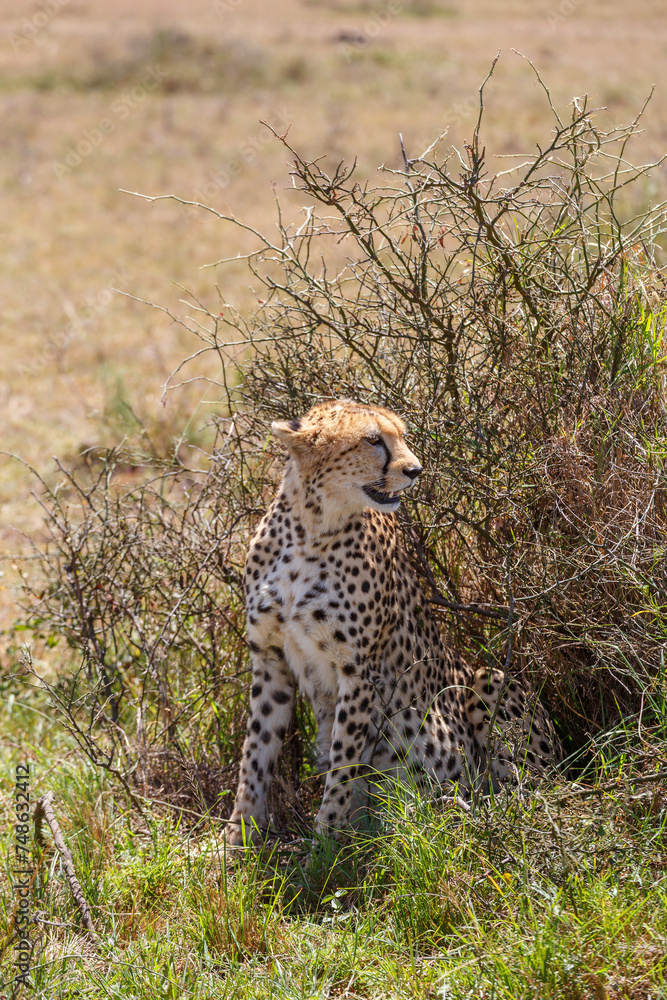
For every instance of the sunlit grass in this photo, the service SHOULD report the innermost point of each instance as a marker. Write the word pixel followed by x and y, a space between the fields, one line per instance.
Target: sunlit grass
pixel 542 897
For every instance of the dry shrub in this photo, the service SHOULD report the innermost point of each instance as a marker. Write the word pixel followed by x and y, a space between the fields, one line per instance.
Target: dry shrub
pixel 517 322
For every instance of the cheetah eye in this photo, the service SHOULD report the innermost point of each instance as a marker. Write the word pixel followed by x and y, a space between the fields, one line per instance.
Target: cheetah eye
pixel 373 439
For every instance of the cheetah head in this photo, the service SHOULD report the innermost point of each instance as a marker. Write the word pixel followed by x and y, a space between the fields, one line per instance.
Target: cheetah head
pixel 349 457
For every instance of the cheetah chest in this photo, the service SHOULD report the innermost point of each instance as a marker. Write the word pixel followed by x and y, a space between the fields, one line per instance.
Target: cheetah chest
pixel 309 608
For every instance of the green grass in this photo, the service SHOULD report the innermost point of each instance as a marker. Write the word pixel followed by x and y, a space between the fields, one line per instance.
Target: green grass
pixel 543 897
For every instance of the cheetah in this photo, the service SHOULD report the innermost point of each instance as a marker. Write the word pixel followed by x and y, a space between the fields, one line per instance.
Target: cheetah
pixel 335 608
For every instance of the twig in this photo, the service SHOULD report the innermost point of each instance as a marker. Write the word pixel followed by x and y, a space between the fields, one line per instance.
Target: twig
pixel 452 800
pixel 438 600
pixel 472 609
pixel 44 810
pixel 611 786
pixel 82 737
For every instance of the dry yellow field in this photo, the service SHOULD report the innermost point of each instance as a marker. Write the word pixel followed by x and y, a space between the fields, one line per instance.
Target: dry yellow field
pixel 167 97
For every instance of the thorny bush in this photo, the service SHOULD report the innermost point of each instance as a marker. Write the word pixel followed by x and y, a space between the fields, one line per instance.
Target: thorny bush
pixel 517 322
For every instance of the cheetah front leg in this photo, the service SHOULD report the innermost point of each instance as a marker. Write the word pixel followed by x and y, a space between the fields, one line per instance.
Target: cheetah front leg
pixel 271 706
pixel 349 736
pixel 324 714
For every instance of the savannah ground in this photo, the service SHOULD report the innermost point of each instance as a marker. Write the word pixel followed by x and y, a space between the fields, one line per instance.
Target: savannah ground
pixel 562 898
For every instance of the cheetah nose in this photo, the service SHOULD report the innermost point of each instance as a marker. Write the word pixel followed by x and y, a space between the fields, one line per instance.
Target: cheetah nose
pixel 413 472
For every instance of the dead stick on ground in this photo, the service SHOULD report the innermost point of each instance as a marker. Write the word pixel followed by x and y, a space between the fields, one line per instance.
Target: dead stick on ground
pixel 44 809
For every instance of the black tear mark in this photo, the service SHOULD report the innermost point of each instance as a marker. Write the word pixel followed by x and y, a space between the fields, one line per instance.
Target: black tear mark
pixel 384 446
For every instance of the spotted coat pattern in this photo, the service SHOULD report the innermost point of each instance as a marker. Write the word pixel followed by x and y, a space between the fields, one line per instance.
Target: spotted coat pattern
pixel 334 607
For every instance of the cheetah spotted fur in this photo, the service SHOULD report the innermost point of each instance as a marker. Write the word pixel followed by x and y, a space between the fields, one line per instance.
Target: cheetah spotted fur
pixel 335 608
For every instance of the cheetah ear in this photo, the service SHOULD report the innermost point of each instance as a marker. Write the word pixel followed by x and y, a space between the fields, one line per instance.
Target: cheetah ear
pixel 290 434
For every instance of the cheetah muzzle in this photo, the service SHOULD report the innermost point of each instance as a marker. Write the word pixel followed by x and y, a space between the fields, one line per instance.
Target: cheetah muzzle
pixel 335 609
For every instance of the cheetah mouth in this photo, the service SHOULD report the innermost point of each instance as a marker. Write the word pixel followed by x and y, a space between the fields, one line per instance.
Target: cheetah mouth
pixel 389 499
